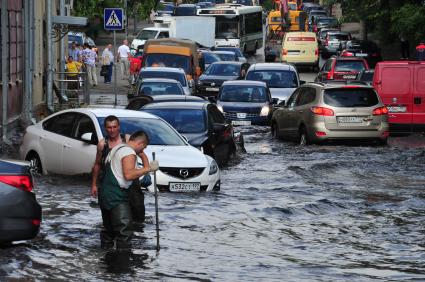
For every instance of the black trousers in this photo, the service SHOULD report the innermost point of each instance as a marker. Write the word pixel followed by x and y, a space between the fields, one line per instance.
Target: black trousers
pixel 117 226
pixel 405 52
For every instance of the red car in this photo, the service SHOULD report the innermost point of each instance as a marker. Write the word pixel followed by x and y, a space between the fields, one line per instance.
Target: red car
pixel 341 68
pixel 401 86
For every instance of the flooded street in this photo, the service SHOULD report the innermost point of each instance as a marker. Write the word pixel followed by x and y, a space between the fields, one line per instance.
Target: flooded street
pixel 284 212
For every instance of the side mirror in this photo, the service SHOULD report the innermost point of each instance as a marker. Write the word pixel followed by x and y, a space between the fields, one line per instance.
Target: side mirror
pixel 282 104
pixel 191 83
pixel 218 127
pixel 275 101
pixel 302 82
pixel 86 137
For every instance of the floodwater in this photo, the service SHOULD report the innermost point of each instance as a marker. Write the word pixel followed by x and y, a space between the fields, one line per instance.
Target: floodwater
pixel 284 213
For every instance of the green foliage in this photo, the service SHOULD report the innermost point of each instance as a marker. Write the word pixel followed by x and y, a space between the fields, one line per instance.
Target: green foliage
pixel 409 20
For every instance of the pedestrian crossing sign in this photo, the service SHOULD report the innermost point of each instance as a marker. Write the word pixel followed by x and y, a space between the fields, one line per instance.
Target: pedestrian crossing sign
pixel 113 19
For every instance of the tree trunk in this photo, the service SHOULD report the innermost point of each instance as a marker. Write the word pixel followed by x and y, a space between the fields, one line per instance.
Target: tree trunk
pixel 363 30
pixel 135 24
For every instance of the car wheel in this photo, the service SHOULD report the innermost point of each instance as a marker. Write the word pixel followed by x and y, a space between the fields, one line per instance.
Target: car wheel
pixel 275 131
pixel 303 139
pixel 34 159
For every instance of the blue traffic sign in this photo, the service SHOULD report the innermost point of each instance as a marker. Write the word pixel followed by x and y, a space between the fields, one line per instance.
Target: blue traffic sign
pixel 113 19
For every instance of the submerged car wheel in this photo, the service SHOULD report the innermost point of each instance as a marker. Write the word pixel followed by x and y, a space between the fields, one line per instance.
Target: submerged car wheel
pixel 303 139
pixel 34 159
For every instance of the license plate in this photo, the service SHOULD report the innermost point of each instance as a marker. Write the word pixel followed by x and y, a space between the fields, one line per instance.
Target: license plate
pixel 293 52
pixel 241 115
pixel 184 186
pixel 360 55
pixel 241 122
pixel 349 119
pixel 396 109
pixel 211 89
pixel 349 77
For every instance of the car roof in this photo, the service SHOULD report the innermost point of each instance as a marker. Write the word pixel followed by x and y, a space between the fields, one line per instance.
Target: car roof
pixel 300 33
pixel 245 82
pixel 338 32
pixel 339 84
pixel 163 69
pixel 223 52
pixel 104 112
pixel 227 63
pixel 177 97
pixel 160 80
pixel 177 105
pixel 272 66
pixel 349 59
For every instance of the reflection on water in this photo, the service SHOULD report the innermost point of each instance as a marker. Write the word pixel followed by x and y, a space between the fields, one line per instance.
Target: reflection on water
pixel 320 213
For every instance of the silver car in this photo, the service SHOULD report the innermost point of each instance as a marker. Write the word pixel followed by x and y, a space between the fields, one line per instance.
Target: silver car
pixel 166 72
pixel 318 112
pixel 281 78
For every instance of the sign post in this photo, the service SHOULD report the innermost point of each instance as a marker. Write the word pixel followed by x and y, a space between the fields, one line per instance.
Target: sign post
pixel 113 20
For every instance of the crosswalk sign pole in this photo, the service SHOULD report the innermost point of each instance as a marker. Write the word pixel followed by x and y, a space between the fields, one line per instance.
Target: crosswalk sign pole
pixel 115 71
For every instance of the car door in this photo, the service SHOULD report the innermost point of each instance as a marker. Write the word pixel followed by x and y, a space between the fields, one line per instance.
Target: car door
pixel 294 112
pixel 56 131
pixel 418 112
pixel 282 114
pixel 220 141
pixel 78 155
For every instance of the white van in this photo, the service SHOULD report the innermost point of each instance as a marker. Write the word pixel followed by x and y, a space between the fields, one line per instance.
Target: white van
pixel 300 48
pixel 149 33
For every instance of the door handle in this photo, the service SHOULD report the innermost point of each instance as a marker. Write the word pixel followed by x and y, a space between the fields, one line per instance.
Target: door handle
pixel 67 145
pixel 417 100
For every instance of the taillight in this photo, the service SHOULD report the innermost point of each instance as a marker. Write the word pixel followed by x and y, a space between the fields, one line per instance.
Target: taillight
pixel 346 54
pixel 284 52
pixel 320 133
pixel 326 42
pixel 22 182
pixel 36 222
pixel 380 111
pixel 322 111
pixel 330 75
pixel 316 52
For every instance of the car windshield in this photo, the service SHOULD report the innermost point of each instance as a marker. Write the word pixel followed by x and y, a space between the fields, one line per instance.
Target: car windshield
pixel 327 21
pixel 168 60
pixel 183 120
pixel 348 66
pixel 223 70
pixel 237 51
pixel 160 88
pixel 226 28
pixel 227 57
pixel 210 57
pixel 180 77
pixel 147 34
pixel 243 93
pixel 351 97
pixel 185 11
pixel 275 78
pixel 366 76
pixel 159 132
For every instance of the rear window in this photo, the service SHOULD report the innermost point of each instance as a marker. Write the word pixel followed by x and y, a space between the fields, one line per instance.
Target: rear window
pixel 301 39
pixel 349 66
pixel 350 97
pixel 339 37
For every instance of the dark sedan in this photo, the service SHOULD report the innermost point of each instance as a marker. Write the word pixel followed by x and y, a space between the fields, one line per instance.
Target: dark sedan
pixel 246 102
pixel 203 124
pixel 20 214
pixel 365 49
pixel 210 81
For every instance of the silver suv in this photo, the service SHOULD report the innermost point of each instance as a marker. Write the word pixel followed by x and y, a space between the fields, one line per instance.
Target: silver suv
pixel 318 112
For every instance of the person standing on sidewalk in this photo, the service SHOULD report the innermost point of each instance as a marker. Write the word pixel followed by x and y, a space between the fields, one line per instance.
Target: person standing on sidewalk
pixel 75 52
pixel 420 51
pixel 122 57
pixel 108 60
pixel 404 47
pixel 89 60
pixel 120 171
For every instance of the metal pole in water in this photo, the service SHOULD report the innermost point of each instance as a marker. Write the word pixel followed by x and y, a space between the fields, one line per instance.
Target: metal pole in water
pixel 156 206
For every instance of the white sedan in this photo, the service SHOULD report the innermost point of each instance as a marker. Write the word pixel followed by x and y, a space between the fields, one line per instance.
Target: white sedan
pixel 65 143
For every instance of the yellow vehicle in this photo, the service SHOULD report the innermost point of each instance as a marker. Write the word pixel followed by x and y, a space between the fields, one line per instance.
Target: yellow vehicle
pixel 174 53
pixel 274 21
pixel 300 48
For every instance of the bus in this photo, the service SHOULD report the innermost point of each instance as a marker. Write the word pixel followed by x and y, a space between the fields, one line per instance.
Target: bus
pixel 237 26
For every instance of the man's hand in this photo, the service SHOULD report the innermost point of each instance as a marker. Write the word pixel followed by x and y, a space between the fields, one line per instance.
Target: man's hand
pixel 154 165
pixel 94 191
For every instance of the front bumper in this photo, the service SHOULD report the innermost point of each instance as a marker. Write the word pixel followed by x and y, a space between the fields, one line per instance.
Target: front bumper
pixel 207 182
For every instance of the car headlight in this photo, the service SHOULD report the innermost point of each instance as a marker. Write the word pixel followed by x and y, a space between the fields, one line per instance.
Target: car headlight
pixel 213 167
pixel 220 108
pixel 265 110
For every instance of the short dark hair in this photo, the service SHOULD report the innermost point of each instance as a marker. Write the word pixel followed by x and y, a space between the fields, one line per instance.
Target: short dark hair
pixel 139 134
pixel 86 45
pixel 110 118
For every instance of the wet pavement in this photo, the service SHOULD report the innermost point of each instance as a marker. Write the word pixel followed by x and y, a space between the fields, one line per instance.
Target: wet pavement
pixel 284 212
